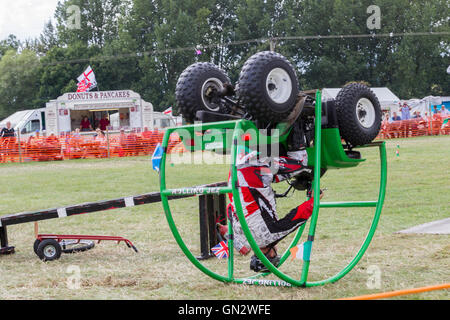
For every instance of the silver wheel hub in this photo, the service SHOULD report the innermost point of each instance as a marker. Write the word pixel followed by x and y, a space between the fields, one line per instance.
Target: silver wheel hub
pixel 365 113
pixel 207 87
pixel 279 85
pixel 49 251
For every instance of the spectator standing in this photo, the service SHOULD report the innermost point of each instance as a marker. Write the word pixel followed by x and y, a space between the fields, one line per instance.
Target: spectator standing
pixel 395 117
pixel 395 125
pixel 415 119
pixel 385 127
pixel 444 112
pixel 101 139
pixel 104 122
pixel 436 122
pixel 406 116
pixel 406 111
pixel 7 142
pixel 85 124
pixel 7 132
pixel 427 118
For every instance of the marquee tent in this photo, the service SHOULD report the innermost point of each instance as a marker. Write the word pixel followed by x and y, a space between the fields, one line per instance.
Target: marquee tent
pixel 387 98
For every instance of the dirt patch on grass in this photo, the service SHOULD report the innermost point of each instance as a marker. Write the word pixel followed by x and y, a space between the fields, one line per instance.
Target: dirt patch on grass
pixel 109 281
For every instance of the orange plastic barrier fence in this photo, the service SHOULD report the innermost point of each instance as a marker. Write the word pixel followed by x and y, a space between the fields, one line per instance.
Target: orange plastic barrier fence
pixel 390 294
pixel 431 126
pixel 39 148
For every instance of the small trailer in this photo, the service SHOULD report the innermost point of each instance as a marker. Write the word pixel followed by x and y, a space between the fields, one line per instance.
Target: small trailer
pixel 50 246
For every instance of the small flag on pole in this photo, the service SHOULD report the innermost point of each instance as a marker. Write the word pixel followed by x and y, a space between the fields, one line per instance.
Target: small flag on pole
pixel 156 157
pixel 297 252
pixel 168 111
pixel 86 81
pixel 220 250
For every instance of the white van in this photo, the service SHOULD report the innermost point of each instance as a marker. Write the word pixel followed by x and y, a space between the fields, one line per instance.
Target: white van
pixel 26 122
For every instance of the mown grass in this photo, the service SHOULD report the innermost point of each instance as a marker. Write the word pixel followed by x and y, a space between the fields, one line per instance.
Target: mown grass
pixel 418 192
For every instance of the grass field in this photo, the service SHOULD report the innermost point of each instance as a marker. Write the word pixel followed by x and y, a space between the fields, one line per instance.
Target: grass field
pixel 418 192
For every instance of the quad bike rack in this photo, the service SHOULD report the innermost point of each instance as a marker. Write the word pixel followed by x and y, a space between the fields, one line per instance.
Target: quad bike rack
pixel 315 154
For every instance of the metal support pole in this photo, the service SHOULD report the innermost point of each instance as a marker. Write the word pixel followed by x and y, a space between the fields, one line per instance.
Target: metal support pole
pixel 203 219
pixel 107 142
pixel 4 247
pixel 18 143
pixel 212 209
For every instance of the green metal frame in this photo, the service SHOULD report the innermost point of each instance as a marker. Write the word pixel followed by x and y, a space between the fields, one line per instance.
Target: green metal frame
pixel 334 158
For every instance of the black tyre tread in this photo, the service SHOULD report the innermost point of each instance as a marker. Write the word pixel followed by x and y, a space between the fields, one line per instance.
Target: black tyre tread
pixel 36 245
pixel 187 92
pixel 349 127
pixel 43 244
pixel 251 90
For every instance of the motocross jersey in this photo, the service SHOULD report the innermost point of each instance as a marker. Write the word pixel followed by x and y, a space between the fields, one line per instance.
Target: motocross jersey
pixel 254 177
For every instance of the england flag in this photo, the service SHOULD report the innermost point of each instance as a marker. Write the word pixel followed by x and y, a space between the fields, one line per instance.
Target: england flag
pixel 86 81
pixel 168 111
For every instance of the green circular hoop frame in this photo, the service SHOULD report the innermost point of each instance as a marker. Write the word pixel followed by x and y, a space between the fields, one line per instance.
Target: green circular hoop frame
pixel 285 279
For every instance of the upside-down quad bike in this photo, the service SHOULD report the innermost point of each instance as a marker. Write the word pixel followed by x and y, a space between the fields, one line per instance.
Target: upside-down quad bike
pixel 267 109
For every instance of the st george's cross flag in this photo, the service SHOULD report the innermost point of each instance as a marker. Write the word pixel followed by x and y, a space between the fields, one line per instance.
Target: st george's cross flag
pixel 168 111
pixel 86 81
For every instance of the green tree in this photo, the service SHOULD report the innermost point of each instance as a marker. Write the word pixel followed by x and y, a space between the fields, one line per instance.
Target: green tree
pixel 91 22
pixel 10 43
pixel 61 67
pixel 18 81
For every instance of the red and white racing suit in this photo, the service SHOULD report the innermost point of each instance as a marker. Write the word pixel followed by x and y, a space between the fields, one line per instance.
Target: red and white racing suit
pixel 255 177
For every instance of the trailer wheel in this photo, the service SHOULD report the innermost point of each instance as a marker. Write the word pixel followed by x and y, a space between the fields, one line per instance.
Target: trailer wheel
pixel 359 114
pixel 49 250
pixel 268 87
pixel 195 89
pixel 71 246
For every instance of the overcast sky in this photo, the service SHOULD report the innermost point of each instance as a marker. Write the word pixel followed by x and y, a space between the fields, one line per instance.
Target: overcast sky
pixel 25 18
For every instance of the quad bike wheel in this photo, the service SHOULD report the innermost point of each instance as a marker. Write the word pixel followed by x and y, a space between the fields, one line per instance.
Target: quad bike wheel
pixel 359 114
pixel 196 88
pixel 268 87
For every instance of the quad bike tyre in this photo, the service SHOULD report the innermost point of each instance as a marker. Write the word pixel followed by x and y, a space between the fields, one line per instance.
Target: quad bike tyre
pixel 359 114
pixel 194 86
pixel 268 87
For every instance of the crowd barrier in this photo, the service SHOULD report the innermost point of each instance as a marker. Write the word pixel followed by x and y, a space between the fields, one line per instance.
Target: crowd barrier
pixel 50 148
pixel 431 126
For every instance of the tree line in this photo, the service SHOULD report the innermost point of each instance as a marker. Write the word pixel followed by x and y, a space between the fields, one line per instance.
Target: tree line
pixel 144 45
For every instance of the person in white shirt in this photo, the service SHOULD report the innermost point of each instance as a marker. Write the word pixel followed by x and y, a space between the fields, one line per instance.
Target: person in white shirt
pixel 444 112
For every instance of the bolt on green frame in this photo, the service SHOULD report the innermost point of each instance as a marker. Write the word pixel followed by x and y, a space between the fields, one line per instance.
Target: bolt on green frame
pixel 314 153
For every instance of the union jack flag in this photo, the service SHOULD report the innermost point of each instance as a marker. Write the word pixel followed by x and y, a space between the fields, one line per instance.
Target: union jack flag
pixel 220 250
